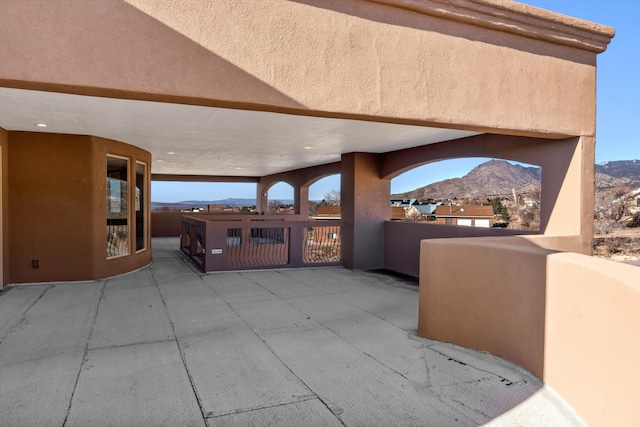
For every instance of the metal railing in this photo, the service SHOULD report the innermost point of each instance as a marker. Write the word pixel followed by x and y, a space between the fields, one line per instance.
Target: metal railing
pixel 322 244
pixel 237 242
pixel 117 238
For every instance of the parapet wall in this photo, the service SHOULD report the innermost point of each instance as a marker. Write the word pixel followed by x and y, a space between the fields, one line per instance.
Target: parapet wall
pixel 570 319
pixel 428 63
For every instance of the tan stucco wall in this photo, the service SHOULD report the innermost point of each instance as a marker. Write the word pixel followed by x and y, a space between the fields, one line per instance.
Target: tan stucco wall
pixel 568 318
pixel 322 57
pixel 50 207
pixel 402 241
pixel 169 224
pixel 57 208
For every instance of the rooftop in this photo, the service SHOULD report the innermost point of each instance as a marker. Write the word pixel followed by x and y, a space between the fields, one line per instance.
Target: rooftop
pixel 168 345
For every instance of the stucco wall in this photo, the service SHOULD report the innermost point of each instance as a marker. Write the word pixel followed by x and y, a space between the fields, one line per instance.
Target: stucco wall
pixel 402 241
pixel 57 208
pixel 168 224
pixel 4 234
pixel 568 318
pixel 50 207
pixel 322 57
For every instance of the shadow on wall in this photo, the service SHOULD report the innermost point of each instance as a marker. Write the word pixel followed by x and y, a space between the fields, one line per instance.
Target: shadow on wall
pixel 570 319
pixel 144 56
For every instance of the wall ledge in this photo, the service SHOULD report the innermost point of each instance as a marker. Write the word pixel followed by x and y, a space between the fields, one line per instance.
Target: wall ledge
pixel 516 18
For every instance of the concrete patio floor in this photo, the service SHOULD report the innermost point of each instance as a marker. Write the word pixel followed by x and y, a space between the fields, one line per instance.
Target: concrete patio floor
pixel 170 346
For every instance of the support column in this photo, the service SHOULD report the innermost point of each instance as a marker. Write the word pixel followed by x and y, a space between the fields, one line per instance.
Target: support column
pixel 301 200
pixel 261 198
pixel 365 206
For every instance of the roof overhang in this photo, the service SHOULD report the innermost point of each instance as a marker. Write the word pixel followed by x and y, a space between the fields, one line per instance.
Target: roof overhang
pixel 210 141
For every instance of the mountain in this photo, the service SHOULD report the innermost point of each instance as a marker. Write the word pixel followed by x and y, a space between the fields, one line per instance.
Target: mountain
pixel 492 178
pixel 188 204
pixel 616 173
pixel 227 202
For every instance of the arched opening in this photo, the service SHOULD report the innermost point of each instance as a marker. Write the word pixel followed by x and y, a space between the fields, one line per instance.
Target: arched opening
pixel 323 193
pixel 280 198
pixel 476 192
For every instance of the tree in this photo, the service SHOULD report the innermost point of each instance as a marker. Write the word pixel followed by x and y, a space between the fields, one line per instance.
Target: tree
pixel 273 205
pixel 313 208
pixel 332 198
pixel 413 215
pixel 529 218
pixel 499 208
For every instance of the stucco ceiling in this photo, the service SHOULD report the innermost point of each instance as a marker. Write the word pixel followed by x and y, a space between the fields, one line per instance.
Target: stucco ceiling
pixel 196 140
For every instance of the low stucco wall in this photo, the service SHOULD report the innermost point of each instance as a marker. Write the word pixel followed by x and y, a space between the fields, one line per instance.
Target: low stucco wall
pixel 570 319
pixel 167 224
pixel 402 241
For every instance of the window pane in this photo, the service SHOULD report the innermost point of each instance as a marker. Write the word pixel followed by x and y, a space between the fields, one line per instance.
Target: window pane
pixel 117 206
pixel 141 216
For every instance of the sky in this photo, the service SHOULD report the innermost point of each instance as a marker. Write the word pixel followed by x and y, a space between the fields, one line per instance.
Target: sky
pixel 617 115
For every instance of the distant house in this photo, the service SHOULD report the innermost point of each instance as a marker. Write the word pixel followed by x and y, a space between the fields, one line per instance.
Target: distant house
pixel 405 203
pixel 331 234
pixel 427 209
pixel 397 213
pixel 472 216
pixel 412 209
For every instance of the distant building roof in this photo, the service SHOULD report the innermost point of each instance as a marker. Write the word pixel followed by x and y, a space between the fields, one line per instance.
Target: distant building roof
pixel 397 212
pixel 444 211
pixel 427 208
pixel 328 212
pixel 405 203
pixel 333 211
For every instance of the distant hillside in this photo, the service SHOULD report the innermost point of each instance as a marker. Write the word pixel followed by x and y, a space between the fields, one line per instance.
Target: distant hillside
pixel 226 202
pixel 492 178
pixel 188 204
pixel 616 173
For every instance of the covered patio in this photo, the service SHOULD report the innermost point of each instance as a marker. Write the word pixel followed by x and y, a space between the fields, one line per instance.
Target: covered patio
pixel 169 345
pixel 97 99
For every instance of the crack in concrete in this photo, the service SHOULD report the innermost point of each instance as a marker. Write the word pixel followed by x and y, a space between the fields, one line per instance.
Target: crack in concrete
pixel 131 344
pixel 427 368
pixel 508 382
pixel 303 398
pixel 474 410
pixel 85 356
pixel 180 351
pixel 335 410
pixel 23 319
pixel 448 399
